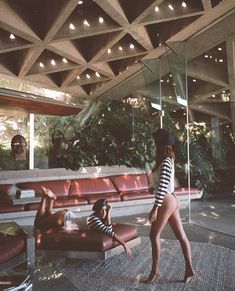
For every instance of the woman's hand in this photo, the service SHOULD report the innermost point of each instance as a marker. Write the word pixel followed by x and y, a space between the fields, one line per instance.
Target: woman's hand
pixel 153 214
pixel 127 250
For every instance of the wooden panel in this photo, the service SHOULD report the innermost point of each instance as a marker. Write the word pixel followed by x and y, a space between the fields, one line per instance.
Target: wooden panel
pixel 39 107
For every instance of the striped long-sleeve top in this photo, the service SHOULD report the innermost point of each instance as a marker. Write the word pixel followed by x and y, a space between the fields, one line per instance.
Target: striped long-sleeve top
pixel 163 180
pixel 95 223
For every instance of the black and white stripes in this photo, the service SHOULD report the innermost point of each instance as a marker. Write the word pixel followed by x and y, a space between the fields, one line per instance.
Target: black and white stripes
pixel 161 180
pixel 95 223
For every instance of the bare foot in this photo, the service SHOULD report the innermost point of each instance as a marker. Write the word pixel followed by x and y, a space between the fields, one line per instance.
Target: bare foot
pixel 152 276
pixel 48 193
pixel 188 276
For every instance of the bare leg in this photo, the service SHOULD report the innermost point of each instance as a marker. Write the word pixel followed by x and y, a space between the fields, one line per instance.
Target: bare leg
pixel 44 218
pixel 41 210
pixel 177 227
pixel 164 212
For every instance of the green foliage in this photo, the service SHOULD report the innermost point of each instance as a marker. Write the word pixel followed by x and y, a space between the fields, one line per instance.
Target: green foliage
pixel 200 148
pixel 111 138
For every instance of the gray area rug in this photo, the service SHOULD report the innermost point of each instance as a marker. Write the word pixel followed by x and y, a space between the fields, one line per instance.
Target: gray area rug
pixel 214 266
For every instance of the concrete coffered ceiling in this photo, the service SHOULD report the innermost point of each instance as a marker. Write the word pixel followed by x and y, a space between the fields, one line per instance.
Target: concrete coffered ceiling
pixel 86 48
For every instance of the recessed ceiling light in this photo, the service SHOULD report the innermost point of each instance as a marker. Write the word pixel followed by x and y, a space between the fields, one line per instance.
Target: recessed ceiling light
pixel 183 4
pixel 53 62
pixel 221 60
pixel 127 67
pixel 12 36
pixel 194 80
pixel 206 56
pixel 88 76
pixel 78 77
pixel 219 48
pixel 65 60
pixel 156 8
pixel 120 48
pixel 97 74
pixel 41 65
pixel 101 20
pixel 170 97
pixel 80 2
pixel 213 96
pixel 109 51
pixel 170 7
pixel 85 22
pixel 132 46
pixel 71 26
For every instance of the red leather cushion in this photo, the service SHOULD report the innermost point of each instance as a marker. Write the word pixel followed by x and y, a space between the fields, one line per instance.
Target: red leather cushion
pixel 59 187
pixel 136 195
pixel 11 246
pixel 5 188
pixel 60 203
pixel 84 240
pixel 110 197
pixel 91 186
pixel 12 208
pixel 128 183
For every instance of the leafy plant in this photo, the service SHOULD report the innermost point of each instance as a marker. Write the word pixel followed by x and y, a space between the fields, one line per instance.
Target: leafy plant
pixel 119 133
pixel 111 138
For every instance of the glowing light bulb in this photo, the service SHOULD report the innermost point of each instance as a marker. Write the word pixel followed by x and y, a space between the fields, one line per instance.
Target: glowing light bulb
pixel 101 20
pixel 71 26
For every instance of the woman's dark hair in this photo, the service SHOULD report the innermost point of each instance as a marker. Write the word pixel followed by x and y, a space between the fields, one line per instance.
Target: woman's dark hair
pixel 99 204
pixel 162 153
pixel 164 141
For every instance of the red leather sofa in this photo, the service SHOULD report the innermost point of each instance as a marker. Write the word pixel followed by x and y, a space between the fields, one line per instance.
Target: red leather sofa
pixel 79 192
pixel 84 191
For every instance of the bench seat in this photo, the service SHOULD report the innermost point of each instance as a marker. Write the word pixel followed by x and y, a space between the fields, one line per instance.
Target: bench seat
pixel 87 244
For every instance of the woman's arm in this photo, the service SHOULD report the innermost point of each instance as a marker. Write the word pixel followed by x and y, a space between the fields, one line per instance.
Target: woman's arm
pixel 160 187
pixel 164 180
pixel 125 246
pixel 95 223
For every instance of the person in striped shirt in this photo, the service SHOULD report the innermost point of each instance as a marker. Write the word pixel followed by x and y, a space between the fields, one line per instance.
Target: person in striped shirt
pixel 166 205
pixel 100 220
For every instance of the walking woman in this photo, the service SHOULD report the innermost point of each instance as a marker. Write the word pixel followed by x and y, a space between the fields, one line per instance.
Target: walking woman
pixel 166 206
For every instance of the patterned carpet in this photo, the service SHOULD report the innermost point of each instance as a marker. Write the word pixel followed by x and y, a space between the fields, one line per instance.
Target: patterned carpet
pixel 214 266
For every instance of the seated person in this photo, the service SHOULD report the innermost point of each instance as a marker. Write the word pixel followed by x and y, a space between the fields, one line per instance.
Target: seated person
pixel 99 220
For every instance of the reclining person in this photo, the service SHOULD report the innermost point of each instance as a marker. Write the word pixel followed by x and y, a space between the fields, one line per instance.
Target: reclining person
pixel 99 220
